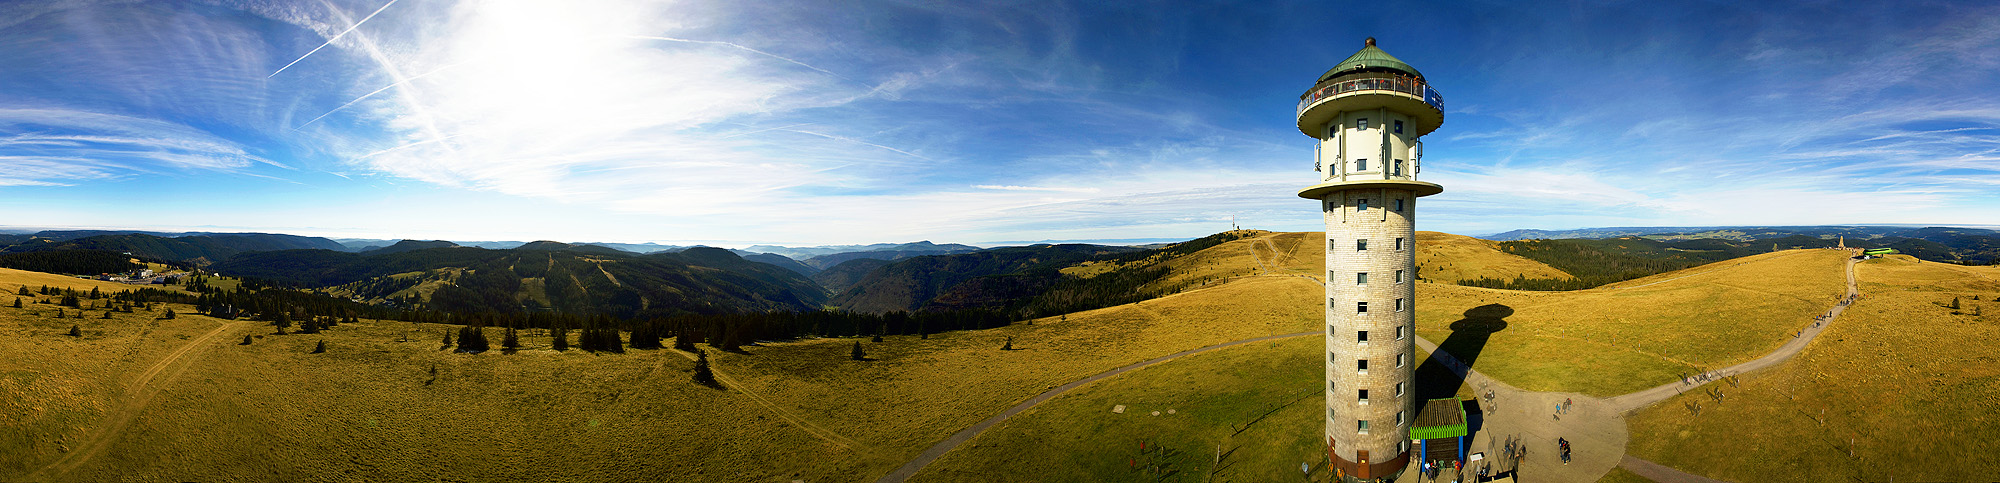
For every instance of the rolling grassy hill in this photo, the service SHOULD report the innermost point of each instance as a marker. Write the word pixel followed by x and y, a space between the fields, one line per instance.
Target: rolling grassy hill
pixel 377 408
pixel 1447 258
pixel 1903 381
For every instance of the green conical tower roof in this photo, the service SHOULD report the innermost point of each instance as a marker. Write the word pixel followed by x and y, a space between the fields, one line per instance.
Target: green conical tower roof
pixel 1370 57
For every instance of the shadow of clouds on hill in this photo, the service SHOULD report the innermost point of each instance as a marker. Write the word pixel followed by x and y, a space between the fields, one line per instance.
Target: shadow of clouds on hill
pixel 1468 338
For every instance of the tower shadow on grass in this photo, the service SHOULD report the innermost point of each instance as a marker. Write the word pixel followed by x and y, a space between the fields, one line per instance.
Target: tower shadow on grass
pixel 1468 337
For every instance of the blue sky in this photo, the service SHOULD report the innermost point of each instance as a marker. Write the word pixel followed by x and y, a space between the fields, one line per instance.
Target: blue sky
pixel 813 122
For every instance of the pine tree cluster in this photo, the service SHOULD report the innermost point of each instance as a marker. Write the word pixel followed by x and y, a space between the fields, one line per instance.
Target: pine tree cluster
pixel 472 340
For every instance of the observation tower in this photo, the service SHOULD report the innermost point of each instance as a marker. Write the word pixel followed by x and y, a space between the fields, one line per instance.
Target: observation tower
pixel 1367 114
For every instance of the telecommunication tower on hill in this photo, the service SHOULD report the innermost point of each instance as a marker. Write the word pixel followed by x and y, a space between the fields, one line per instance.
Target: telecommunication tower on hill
pixel 1367 114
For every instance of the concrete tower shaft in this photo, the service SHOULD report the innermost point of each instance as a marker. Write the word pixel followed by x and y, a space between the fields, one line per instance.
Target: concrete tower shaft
pixel 1367 115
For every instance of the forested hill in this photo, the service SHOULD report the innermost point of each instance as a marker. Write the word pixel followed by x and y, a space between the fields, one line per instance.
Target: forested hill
pixel 1971 246
pixel 929 282
pixel 198 249
pixel 464 279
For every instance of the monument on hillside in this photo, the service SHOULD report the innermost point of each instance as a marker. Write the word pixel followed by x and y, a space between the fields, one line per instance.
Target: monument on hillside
pixel 1367 114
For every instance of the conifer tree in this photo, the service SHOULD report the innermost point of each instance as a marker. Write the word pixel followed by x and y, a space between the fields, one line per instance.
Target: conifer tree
pixel 472 340
pixel 857 354
pixel 23 292
pixel 17 302
pixel 107 314
pixel 94 295
pixel 447 340
pixel 560 336
pixel 169 315
pixel 1009 346
pixel 702 374
pixel 59 313
pixel 75 331
pixel 320 349
pixel 510 341
pixel 246 339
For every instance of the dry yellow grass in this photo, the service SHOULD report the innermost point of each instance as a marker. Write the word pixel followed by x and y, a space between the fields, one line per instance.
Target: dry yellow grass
pixel 364 410
pixel 1610 341
pixel 1915 386
pixel 1448 258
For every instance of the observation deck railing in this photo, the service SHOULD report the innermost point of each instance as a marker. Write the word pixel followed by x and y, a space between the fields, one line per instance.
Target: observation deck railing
pixel 1404 85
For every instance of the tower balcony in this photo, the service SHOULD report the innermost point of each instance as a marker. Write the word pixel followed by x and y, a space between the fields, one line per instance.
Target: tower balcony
pixel 1402 94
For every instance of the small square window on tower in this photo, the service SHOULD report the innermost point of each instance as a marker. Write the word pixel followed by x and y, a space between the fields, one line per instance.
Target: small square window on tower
pixel 1399 305
pixel 1399 393
pixel 1361 426
pixel 1399 127
pixel 1361 307
pixel 1398 169
pixel 1399 417
pixel 1361 366
pixel 1361 244
pixel 1360 278
pixel 1399 204
pixel 1401 359
pixel 1361 204
pixel 1399 276
pixel 1399 332
pixel 1330 303
pixel 1364 396
pixel 1361 164
pixel 1361 124
pixel 1329 245
pixel 1361 336
pixel 1399 243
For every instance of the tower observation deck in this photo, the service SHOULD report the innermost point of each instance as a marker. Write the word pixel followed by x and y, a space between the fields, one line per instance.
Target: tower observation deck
pixel 1367 115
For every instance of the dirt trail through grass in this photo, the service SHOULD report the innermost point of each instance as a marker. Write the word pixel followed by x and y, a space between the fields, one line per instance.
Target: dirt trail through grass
pixel 814 429
pixel 938 450
pixel 138 392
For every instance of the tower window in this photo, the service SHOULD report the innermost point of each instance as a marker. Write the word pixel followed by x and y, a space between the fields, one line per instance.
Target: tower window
pixel 1329 275
pixel 1399 305
pixel 1399 332
pixel 1329 302
pixel 1364 396
pixel 1329 413
pixel 1399 204
pixel 1361 204
pixel 1398 167
pixel 1361 366
pixel 1361 278
pixel 1330 357
pixel 1361 336
pixel 1399 127
pixel 1361 426
pixel 1329 329
pixel 1361 164
pixel 1330 206
pixel 1399 276
pixel 1399 243
pixel 1401 359
pixel 1399 393
pixel 1361 244
pixel 1399 414
pixel 1361 307
pixel 1361 124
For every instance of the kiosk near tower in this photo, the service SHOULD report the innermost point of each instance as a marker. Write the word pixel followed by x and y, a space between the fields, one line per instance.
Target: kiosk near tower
pixel 1367 115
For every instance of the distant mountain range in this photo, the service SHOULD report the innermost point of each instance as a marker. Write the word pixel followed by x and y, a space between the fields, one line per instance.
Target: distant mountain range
pixel 1976 246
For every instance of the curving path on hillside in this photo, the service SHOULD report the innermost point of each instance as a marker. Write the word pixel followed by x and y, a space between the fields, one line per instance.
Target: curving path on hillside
pixel 938 450
pixel 138 392
pixel 1596 427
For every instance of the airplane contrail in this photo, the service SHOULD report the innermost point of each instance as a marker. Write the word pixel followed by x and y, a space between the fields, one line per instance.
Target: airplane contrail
pixel 377 91
pixel 385 6
pixel 759 52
